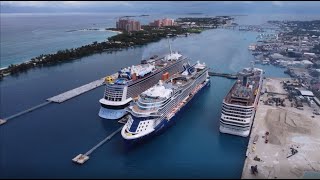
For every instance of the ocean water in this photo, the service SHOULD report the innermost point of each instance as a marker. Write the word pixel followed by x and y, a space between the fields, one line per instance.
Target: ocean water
pixel 42 143
pixel 24 36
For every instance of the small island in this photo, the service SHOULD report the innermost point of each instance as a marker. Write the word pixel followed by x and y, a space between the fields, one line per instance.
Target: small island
pixel 125 39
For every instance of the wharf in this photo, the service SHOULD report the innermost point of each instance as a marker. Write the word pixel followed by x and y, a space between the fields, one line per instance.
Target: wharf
pixel 82 158
pixel 124 119
pixel 60 98
pixel 284 141
pixel 77 91
pixel 2 121
pixel 229 76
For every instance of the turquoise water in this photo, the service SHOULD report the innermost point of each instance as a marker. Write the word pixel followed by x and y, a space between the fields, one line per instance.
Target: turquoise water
pixel 311 175
pixel 42 143
pixel 26 36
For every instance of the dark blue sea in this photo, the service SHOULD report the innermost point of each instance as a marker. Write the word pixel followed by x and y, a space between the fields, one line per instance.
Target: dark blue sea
pixel 42 143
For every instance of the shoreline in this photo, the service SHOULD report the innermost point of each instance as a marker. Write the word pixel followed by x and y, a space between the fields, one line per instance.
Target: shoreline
pixel 118 32
pixel 114 43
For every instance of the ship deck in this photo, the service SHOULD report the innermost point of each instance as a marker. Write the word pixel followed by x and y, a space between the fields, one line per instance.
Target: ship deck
pixel 240 95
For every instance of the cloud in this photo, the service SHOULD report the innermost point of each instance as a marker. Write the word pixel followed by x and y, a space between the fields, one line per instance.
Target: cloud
pixel 67 4
pixel 247 2
pixel 277 3
pixel 162 6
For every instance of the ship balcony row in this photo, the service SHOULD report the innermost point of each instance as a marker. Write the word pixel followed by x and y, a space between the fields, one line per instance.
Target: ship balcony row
pixel 236 119
pixel 235 127
pixel 137 112
pixel 237 113
pixel 233 123
pixel 114 103
pixel 237 107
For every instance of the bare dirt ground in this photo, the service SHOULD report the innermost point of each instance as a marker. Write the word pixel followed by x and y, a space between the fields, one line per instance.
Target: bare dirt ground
pixel 288 128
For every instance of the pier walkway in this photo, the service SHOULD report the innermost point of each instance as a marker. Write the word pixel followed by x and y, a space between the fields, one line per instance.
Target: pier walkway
pixel 77 91
pixel 4 120
pixel 60 98
pixel 82 158
pixel 229 76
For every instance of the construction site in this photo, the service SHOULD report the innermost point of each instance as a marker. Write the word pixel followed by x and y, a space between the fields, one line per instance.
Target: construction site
pixel 285 136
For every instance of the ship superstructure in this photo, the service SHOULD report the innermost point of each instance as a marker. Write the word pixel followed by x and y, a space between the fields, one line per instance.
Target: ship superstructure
pixel 239 105
pixel 156 107
pixel 125 85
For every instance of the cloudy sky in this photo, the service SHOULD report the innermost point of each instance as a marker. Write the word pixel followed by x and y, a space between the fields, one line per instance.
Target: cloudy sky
pixel 243 7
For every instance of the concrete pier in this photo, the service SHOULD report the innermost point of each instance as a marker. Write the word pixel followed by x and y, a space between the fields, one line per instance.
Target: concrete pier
pixel 124 119
pixel 226 75
pixel 82 158
pixel 77 91
pixel 4 120
pixel 284 141
pixel 61 97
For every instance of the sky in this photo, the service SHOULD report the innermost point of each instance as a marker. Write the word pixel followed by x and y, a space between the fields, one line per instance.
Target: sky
pixel 234 7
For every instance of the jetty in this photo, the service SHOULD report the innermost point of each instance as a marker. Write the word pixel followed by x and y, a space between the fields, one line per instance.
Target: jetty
pixel 82 158
pixel 61 97
pixel 4 120
pixel 77 91
pixel 226 75
pixel 124 119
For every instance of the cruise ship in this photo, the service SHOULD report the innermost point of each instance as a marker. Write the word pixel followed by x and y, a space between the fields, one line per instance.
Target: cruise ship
pixel 125 85
pixel 155 108
pixel 239 105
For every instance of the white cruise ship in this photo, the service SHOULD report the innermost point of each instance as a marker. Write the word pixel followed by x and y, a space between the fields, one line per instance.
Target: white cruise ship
pixel 156 107
pixel 125 85
pixel 239 105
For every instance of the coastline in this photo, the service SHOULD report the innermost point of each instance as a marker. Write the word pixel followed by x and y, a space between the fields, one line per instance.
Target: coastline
pixel 121 40
pixel 118 32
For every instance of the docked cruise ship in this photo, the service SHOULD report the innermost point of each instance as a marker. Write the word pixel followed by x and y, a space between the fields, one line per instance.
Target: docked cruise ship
pixel 125 85
pixel 239 105
pixel 155 108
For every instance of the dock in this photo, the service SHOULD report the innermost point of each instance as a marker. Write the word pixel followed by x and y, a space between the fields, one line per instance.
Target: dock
pixel 124 119
pixel 289 139
pixel 4 120
pixel 77 91
pixel 60 98
pixel 226 75
pixel 82 158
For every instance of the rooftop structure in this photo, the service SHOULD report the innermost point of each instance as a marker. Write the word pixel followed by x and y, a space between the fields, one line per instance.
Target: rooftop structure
pixel 163 22
pixel 306 93
pixel 128 25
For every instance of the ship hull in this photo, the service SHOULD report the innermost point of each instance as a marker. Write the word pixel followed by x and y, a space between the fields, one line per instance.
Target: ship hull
pixel 240 124
pixel 112 114
pixel 165 123
pixel 230 131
